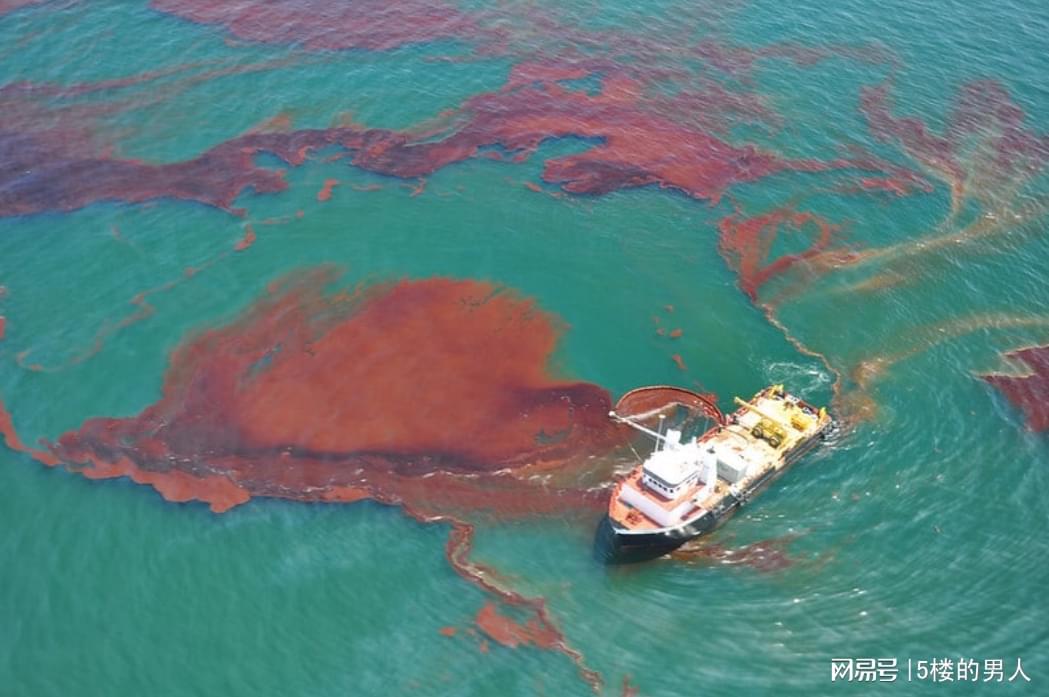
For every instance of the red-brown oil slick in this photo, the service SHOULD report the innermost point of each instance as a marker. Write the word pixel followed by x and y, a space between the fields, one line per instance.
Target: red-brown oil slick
pixel 1028 392
pixel 512 633
pixel 322 396
pixel 986 153
pixel 634 146
pixel 765 555
pixel 983 152
pixel 642 134
pixel 745 244
pixel 433 394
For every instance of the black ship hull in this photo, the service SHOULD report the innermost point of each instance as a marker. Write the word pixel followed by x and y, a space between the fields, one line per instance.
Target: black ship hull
pixel 617 545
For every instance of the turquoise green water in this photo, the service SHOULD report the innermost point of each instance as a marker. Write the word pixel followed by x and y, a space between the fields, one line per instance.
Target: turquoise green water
pixel 922 533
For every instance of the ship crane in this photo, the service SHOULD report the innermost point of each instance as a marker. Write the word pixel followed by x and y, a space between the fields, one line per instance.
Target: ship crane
pixel 660 437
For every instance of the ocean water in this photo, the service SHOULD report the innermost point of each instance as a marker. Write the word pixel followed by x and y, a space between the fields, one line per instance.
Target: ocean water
pixel 922 532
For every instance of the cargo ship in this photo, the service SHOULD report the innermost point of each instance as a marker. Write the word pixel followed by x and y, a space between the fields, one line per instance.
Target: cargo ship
pixel 687 488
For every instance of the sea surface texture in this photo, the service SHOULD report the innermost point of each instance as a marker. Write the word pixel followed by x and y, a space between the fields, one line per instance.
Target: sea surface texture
pixel 312 311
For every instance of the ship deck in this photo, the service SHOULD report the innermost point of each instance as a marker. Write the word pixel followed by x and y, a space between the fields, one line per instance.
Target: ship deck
pixel 735 437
